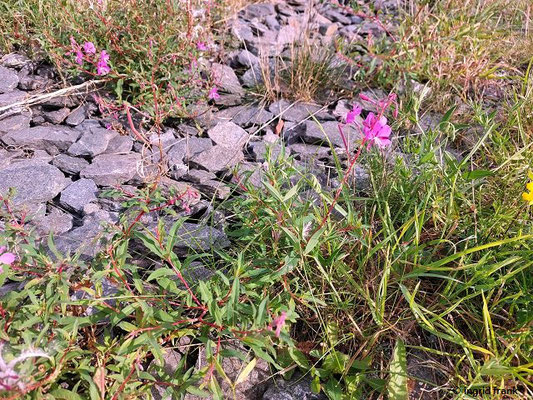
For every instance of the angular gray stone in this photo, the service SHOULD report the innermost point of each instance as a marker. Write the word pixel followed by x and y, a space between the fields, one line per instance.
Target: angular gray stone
pixel 228 134
pixel 35 182
pixel 32 82
pixel 298 388
pixel 259 150
pixel 69 165
pixel 253 77
pixel 336 16
pixel 76 117
pixel 14 60
pixel 226 79
pixel 251 173
pixel 214 188
pixel 252 115
pixel 93 142
pixel 187 130
pixel 12 97
pixel 112 169
pixel 119 145
pixel 217 158
pixel 84 239
pixel 198 176
pixel 58 116
pixel 229 100
pixel 15 122
pixel 247 59
pixel 309 151
pixel 300 111
pixel 78 194
pixel 9 79
pixel 187 148
pixel 259 10
pixel 315 134
pixel 55 222
pixel 53 139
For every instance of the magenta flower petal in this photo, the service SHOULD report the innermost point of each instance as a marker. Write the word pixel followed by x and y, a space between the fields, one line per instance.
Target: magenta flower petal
pixel 89 48
pixel 353 114
pixel 79 57
pixel 213 93
pixel 7 258
pixel 201 46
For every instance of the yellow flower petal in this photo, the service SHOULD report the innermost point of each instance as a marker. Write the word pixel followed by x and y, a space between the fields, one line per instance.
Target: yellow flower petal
pixel 529 186
pixel 528 196
pixel 530 174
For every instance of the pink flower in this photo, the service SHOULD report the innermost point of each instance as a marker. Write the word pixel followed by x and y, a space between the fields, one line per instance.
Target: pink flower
pixel 101 67
pixel 79 57
pixel 6 258
pixel 213 93
pixel 350 117
pixel 201 46
pixel 89 48
pixel 279 323
pixel 376 131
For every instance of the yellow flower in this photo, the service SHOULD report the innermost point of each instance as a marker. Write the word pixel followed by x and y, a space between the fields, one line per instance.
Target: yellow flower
pixel 529 196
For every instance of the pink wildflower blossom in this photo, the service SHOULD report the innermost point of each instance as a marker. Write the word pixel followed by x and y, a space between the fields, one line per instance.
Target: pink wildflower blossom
pixel 79 57
pixel 279 323
pixel 102 68
pixel 213 93
pixel 376 131
pixel 6 258
pixel 353 114
pixel 89 48
pixel 201 46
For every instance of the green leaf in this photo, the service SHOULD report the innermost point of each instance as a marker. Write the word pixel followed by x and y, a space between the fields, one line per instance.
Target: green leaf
pixel 65 394
pixel 246 371
pixel 397 387
pixel 314 240
pixel 335 362
pixel 476 174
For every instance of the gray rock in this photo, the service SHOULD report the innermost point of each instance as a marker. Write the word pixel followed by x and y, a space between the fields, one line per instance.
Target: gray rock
pixel 229 100
pixel 69 165
pixel 119 145
pixel 14 60
pixel 12 97
pixel 249 173
pixel 202 114
pixel 259 10
pixel 214 188
pixel 9 79
pixel 32 82
pixel 84 240
pixel 15 122
pixel 301 111
pixel 58 116
pixel 165 139
pixel 247 59
pixel 298 388
pixel 78 194
pixel 308 151
pixel 336 16
pixel 171 361
pixel 76 117
pixel 7 157
pixel 226 79
pixel 242 30
pixel 217 158
pixel 187 130
pixel 55 222
pixel 178 170
pixel 92 143
pixel 198 176
pixel 35 182
pixel 253 77
pixel 112 169
pixel 187 148
pixel 319 134
pixel 272 23
pixel 228 134
pixel 53 139
pixel 260 149
pixel 252 115
pixel 65 101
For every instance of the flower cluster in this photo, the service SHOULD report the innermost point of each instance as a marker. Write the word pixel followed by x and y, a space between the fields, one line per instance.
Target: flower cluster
pixel 87 52
pixel 9 378
pixel 375 128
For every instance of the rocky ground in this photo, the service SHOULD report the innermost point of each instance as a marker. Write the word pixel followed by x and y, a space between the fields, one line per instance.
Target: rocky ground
pixel 60 153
